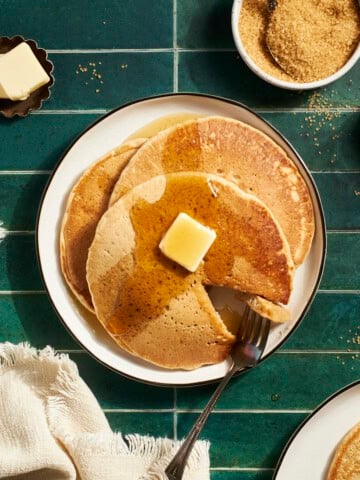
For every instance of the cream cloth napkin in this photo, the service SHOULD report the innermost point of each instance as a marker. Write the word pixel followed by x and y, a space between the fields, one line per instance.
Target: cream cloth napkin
pixel 52 428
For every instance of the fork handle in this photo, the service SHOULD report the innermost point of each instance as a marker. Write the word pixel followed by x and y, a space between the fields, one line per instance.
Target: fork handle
pixel 176 467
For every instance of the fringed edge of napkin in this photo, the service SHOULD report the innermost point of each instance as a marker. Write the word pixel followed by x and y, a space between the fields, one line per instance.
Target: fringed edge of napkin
pixel 65 373
pixel 198 462
pixel 156 453
pixel 16 354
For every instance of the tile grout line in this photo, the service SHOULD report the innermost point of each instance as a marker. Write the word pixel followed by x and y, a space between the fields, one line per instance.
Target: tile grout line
pixel 334 292
pixel 56 51
pixel 85 51
pixel 308 109
pixel 26 172
pixel 22 292
pixel 337 172
pixel 175 50
pixel 295 351
pixel 331 232
pixel 17 232
pixel 222 411
pixel 90 111
pixel 199 410
pixel 241 469
pixel 210 50
pixel 137 410
pixel 175 419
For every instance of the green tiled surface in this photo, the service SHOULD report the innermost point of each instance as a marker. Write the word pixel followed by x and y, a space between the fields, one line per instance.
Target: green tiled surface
pixel 282 382
pixel 27 148
pixel 342 262
pixel 329 325
pixel 131 44
pixel 324 145
pixel 125 77
pixel 239 475
pixel 18 265
pixel 30 317
pixel 341 202
pixel 245 439
pixel 90 24
pixel 204 24
pixel 19 200
pixel 225 74
pixel 154 424
pixel 114 391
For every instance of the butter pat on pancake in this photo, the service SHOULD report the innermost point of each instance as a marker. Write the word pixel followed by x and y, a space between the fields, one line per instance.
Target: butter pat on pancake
pixel 187 242
pixel 239 153
pixel 160 311
pixel 346 462
pixel 87 202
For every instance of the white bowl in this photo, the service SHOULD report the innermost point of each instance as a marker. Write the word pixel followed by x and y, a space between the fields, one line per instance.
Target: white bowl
pixel 276 81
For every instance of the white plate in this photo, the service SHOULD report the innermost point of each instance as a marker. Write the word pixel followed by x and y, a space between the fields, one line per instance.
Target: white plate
pixel 105 134
pixel 310 450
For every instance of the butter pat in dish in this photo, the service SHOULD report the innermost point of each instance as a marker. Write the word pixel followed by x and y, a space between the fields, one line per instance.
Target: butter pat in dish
pixel 20 73
pixel 187 242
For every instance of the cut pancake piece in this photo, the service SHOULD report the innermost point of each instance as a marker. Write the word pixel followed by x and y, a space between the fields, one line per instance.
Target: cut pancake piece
pixel 265 308
pixel 237 152
pixel 88 200
pixel 346 462
pixel 159 310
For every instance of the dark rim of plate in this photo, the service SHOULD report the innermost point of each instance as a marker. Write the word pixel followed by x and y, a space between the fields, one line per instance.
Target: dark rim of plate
pixel 307 419
pixel 309 177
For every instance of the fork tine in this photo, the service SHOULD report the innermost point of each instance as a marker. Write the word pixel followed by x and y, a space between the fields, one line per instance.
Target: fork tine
pixel 242 323
pixel 246 311
pixel 248 326
pixel 264 333
pixel 257 324
pixel 245 321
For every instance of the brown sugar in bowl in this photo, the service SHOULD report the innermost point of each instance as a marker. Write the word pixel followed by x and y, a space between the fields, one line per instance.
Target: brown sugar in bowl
pixel 283 80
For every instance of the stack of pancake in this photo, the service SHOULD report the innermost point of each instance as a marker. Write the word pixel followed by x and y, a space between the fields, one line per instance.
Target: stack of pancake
pixel 227 176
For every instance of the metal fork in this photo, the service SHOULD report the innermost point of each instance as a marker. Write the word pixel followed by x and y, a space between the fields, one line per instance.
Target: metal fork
pixel 251 341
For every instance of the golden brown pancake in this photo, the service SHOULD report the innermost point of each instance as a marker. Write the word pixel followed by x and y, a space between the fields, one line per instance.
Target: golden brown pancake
pixel 270 310
pixel 346 462
pixel 159 310
pixel 239 153
pixel 87 202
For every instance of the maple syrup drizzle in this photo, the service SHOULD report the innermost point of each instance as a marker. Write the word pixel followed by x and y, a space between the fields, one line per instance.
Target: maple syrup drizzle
pixel 166 121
